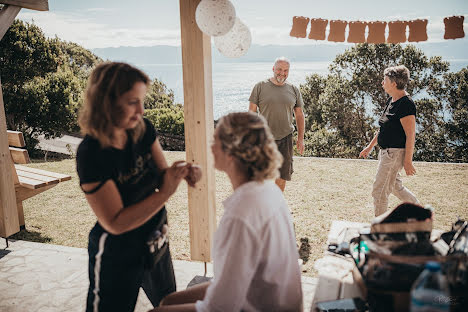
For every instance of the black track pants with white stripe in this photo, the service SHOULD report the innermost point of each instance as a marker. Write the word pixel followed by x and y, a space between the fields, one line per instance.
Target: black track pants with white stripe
pixel 117 271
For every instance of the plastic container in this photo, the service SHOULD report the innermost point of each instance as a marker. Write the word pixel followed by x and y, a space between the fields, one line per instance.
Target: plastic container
pixel 430 292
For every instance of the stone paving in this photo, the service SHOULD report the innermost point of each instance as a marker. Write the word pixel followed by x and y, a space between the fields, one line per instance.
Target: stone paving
pixel 48 278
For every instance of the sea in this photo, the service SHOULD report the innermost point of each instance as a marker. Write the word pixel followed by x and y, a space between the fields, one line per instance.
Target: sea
pixel 233 82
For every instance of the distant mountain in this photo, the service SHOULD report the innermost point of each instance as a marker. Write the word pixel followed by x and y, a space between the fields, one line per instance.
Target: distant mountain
pixel 449 50
pixel 142 55
pixel 256 53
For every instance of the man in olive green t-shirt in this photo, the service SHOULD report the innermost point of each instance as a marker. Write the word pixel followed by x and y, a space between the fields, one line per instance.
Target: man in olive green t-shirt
pixel 279 102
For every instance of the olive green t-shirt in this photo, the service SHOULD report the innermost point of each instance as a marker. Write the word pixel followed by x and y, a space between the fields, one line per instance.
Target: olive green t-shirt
pixel 276 104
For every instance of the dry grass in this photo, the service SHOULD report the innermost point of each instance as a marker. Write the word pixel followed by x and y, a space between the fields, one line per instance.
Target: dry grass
pixel 322 190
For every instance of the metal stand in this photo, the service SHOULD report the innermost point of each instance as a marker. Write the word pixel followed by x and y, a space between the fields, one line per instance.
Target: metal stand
pixel 200 279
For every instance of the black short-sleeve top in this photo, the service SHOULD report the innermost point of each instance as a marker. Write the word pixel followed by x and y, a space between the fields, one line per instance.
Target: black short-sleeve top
pixel 392 134
pixel 132 169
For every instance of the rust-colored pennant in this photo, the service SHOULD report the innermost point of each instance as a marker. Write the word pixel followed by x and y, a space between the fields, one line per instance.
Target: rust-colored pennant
pixel 454 27
pixel 337 31
pixel 376 32
pixel 317 28
pixel 357 32
pixel 397 32
pixel 299 27
pixel 417 30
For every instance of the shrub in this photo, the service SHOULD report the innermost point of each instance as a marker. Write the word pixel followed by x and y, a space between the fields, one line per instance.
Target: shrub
pixel 167 120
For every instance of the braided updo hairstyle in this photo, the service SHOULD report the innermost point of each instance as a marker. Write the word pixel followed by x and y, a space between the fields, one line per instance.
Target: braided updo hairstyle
pixel 247 137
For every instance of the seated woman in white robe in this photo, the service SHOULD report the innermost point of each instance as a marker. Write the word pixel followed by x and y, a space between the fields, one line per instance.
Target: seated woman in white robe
pixel 255 259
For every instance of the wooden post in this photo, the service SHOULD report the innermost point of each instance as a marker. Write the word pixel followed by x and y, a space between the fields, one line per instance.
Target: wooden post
pixel 38 5
pixel 198 114
pixel 7 16
pixel 9 223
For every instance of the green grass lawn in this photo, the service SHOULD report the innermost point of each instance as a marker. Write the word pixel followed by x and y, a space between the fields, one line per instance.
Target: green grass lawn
pixel 322 190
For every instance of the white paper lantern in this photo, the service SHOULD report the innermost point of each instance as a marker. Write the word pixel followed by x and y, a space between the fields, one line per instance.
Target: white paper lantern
pixel 215 17
pixel 236 42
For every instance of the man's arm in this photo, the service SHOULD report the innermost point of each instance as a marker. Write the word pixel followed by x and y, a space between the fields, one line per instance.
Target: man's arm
pixel 300 123
pixel 253 107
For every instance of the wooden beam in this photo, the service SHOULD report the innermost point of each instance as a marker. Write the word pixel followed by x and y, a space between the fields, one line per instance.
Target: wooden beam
pixel 198 114
pixel 15 138
pixel 9 223
pixel 7 16
pixel 23 193
pixel 29 175
pixel 61 177
pixel 19 155
pixel 38 5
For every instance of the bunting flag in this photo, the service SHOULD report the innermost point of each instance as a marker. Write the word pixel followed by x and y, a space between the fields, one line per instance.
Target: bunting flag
pixel 417 30
pixel 299 29
pixel 357 32
pixel 317 28
pixel 397 32
pixel 454 27
pixel 337 31
pixel 376 32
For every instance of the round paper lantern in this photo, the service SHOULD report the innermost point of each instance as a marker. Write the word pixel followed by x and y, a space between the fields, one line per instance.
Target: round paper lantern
pixel 236 42
pixel 215 17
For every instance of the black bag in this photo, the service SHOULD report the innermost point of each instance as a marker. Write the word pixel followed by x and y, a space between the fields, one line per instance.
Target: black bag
pixel 158 242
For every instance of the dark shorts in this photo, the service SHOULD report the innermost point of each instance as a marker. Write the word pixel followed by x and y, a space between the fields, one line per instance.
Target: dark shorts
pixel 285 147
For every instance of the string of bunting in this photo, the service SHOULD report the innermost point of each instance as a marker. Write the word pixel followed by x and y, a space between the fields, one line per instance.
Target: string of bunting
pixel 376 30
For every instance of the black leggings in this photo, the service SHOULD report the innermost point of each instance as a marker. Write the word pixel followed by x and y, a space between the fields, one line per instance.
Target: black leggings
pixel 117 271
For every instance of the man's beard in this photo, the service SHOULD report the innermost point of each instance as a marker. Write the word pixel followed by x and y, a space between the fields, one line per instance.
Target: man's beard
pixel 280 79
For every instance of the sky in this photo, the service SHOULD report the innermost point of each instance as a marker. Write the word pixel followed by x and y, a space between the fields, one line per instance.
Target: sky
pixel 114 23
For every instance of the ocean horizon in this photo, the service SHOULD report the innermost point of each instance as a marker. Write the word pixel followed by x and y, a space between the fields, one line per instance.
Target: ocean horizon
pixel 233 82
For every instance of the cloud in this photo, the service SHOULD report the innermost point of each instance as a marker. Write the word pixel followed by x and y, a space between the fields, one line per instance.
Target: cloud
pixel 90 34
pixel 101 10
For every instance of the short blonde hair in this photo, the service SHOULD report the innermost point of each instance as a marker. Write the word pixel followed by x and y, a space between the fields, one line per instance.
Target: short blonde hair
pixel 101 113
pixel 247 137
pixel 398 74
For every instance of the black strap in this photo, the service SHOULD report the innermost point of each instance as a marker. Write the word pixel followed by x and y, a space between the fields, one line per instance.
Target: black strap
pixel 94 190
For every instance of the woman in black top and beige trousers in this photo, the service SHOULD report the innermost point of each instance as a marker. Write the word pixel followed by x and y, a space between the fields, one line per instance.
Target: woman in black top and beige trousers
pixel 396 139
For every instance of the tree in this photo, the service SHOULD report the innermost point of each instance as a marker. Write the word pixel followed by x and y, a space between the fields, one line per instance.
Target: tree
pixel 26 53
pixel 311 91
pixel 43 81
pixel 363 65
pixel 456 96
pixel 158 96
pixel 80 60
pixel 347 103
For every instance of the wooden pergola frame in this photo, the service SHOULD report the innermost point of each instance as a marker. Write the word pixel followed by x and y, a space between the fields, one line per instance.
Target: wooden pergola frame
pixel 198 113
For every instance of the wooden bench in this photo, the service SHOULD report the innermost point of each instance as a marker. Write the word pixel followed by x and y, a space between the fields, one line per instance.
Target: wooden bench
pixel 28 181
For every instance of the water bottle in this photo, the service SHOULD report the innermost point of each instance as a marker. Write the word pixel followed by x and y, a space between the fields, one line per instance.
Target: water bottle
pixel 430 291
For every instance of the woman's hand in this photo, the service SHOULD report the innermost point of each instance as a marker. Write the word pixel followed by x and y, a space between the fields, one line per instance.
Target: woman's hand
pixel 195 174
pixel 172 177
pixel 365 152
pixel 409 168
